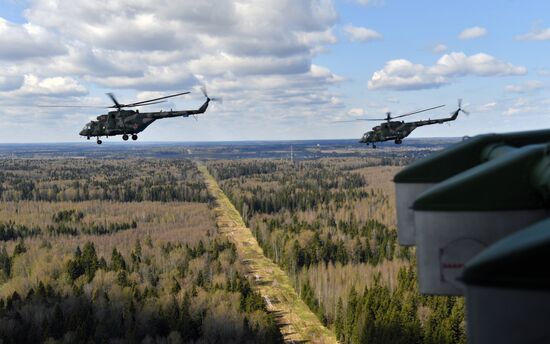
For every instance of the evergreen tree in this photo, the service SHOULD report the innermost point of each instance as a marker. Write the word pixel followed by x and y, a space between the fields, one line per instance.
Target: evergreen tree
pixel 89 260
pixel 5 263
pixel 339 322
pixel 117 261
pixel 20 248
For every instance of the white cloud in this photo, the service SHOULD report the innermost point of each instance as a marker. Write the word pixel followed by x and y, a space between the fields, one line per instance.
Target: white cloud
pixel 10 82
pixel 535 35
pixel 172 77
pixel 404 75
pixel 487 107
pixel 10 79
pixel 439 48
pixel 19 42
pixel 257 55
pixel 481 64
pixel 526 104
pixel 528 86
pixel 472 32
pixel 370 2
pixel 520 106
pixel 238 38
pixel 361 34
pixel 357 112
pixel 56 86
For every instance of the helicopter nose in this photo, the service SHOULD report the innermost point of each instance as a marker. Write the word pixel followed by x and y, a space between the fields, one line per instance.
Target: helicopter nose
pixel 82 133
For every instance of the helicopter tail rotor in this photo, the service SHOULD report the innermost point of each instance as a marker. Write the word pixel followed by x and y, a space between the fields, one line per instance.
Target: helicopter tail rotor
pixel 461 109
pixel 203 90
pixel 205 93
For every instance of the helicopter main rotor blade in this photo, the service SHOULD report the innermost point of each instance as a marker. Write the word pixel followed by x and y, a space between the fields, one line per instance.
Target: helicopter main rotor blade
pixel 419 111
pixel 94 107
pixel 153 100
pixel 73 106
pixel 360 119
pixel 157 102
pixel 117 104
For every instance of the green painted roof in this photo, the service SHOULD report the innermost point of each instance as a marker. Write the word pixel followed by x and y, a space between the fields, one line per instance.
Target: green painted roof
pixel 504 183
pixel 463 156
pixel 517 261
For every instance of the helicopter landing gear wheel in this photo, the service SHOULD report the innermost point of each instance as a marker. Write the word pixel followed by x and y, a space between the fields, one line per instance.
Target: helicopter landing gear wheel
pixel 398 141
pixel 373 145
pixel 125 137
pixel 134 137
pixel 99 141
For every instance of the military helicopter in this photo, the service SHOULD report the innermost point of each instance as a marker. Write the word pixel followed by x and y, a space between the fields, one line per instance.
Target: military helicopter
pixel 129 123
pixel 398 130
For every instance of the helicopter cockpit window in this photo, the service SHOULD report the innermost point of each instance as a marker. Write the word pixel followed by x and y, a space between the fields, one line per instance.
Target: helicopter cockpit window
pixel 88 126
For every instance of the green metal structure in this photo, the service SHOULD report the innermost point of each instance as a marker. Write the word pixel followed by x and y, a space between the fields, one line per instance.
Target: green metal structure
pixel 421 175
pixel 508 289
pixel 479 214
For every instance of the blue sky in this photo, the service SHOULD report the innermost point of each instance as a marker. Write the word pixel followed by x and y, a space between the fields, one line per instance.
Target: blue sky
pixel 286 69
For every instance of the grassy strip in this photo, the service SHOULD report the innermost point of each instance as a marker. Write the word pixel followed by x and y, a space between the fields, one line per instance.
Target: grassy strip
pixel 297 322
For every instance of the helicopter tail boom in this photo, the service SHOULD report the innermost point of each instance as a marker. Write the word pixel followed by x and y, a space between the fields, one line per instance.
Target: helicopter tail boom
pixel 183 113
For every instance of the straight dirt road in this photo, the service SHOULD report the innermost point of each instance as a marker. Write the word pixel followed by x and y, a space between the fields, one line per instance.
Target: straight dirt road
pixel 296 321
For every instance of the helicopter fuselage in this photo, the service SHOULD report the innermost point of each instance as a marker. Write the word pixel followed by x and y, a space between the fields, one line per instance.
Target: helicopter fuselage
pixel 398 130
pixel 393 130
pixel 131 122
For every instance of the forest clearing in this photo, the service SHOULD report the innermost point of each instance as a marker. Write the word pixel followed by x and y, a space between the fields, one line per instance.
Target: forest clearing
pixel 330 225
pixel 296 321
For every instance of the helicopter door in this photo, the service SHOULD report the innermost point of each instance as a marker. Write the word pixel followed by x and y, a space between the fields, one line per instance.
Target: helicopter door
pixel 111 120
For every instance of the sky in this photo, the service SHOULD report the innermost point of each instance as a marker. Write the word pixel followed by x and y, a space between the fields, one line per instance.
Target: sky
pixel 286 69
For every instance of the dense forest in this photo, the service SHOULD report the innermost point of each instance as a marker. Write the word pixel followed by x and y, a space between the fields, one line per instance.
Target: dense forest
pixel 128 251
pixel 331 224
pixel 90 251
pixel 130 180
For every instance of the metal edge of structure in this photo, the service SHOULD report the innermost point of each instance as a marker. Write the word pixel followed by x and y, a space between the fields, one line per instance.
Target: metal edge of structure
pixel 511 272
pixel 464 155
pixel 516 261
pixel 504 183
pixel 459 217
pixel 423 174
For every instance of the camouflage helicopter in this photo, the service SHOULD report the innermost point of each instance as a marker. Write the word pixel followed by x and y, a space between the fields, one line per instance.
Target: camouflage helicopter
pixel 398 130
pixel 129 123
